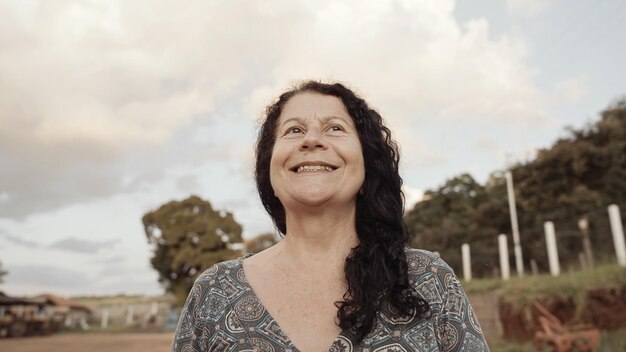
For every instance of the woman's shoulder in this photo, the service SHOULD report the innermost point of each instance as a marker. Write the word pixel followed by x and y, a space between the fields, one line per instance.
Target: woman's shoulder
pixel 412 253
pixel 214 273
pixel 424 256
pixel 422 263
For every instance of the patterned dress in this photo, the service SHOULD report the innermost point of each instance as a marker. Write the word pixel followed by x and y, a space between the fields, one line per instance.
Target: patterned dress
pixel 222 313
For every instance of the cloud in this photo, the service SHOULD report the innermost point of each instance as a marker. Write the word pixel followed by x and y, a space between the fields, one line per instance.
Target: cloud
pixel 412 196
pixel 33 279
pixel 49 276
pixel 188 183
pixel 83 246
pixel 99 98
pixel 528 8
pixel 19 241
pixel 4 197
pixel 116 260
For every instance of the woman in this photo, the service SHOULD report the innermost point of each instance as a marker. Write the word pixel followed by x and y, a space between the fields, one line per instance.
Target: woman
pixel 341 279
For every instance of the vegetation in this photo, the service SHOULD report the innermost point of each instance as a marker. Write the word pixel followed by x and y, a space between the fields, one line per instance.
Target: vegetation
pixel 189 236
pixel 260 242
pixel 2 273
pixel 575 284
pixel 579 176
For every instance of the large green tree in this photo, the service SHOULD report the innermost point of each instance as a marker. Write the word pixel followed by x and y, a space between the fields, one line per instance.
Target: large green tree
pixel 2 273
pixel 189 236
pixel 578 176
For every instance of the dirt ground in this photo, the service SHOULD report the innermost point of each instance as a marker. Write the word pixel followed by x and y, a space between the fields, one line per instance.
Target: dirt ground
pixel 100 342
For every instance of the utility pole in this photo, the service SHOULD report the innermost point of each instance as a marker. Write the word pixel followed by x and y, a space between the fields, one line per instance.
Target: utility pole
pixel 517 248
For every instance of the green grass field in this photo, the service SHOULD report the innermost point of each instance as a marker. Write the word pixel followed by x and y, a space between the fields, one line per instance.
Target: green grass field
pixel 521 291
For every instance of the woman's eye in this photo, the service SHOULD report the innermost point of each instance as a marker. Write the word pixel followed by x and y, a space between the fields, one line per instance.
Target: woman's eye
pixel 335 128
pixel 294 130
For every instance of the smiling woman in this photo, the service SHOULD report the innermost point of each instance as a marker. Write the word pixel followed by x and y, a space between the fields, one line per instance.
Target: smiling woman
pixel 317 157
pixel 342 278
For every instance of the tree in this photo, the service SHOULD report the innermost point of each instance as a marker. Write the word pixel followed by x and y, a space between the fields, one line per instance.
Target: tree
pixel 577 177
pixel 443 222
pixel 2 273
pixel 260 242
pixel 188 237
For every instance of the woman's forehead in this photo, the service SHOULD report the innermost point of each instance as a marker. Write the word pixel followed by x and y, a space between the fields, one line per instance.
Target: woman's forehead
pixel 314 105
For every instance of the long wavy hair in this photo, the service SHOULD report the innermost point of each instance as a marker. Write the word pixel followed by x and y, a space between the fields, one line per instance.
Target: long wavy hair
pixel 376 270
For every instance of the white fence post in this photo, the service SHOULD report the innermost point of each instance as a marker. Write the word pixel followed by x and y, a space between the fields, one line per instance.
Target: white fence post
pixel 467 263
pixel 618 234
pixel 553 254
pixel 129 315
pixel 104 323
pixel 505 271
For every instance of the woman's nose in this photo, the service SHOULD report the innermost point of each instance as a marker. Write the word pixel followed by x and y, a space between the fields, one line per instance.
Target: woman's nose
pixel 313 140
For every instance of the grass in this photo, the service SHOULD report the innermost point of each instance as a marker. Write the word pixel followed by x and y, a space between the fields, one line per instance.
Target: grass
pixel 521 291
pixel 119 300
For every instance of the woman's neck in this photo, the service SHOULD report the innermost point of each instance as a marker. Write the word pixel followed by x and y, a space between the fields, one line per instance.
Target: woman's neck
pixel 320 240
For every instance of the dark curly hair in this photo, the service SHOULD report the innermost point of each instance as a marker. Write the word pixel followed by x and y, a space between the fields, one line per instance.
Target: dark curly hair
pixel 376 270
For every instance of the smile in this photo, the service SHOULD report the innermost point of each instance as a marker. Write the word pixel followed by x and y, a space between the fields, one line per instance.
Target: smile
pixel 313 168
pixel 310 167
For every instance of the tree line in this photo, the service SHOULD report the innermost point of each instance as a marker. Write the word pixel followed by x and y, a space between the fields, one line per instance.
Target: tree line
pixel 577 177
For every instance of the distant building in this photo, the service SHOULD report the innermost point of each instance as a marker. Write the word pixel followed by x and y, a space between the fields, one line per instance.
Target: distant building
pixel 75 314
pixel 21 316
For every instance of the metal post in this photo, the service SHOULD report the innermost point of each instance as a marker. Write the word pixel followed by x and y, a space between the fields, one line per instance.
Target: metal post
pixel 467 263
pixel 618 234
pixel 517 248
pixel 553 254
pixel 504 257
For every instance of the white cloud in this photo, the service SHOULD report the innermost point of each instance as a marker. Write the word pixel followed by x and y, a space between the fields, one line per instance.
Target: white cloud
pixel 77 245
pixel 412 196
pixel 4 197
pixel 109 109
pixel 528 8
pixel 100 93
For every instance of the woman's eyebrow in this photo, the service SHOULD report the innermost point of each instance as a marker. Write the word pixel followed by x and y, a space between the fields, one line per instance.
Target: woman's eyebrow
pixel 325 119
pixel 332 117
pixel 296 119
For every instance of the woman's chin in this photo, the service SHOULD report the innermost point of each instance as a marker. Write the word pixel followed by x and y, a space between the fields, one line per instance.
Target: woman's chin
pixel 315 200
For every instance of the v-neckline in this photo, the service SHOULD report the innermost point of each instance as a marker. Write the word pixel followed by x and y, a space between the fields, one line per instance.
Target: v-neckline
pixel 337 339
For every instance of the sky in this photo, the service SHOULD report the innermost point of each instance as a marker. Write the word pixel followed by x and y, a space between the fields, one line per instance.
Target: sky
pixel 109 109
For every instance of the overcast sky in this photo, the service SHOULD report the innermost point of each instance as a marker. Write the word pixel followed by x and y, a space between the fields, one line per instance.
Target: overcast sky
pixel 109 109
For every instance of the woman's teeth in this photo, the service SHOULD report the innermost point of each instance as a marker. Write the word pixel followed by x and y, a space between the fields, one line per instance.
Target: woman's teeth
pixel 314 168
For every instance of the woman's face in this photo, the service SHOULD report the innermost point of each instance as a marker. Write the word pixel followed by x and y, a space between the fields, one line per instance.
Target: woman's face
pixel 317 157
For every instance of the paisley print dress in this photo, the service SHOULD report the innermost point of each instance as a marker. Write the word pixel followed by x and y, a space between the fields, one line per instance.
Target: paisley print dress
pixel 222 313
